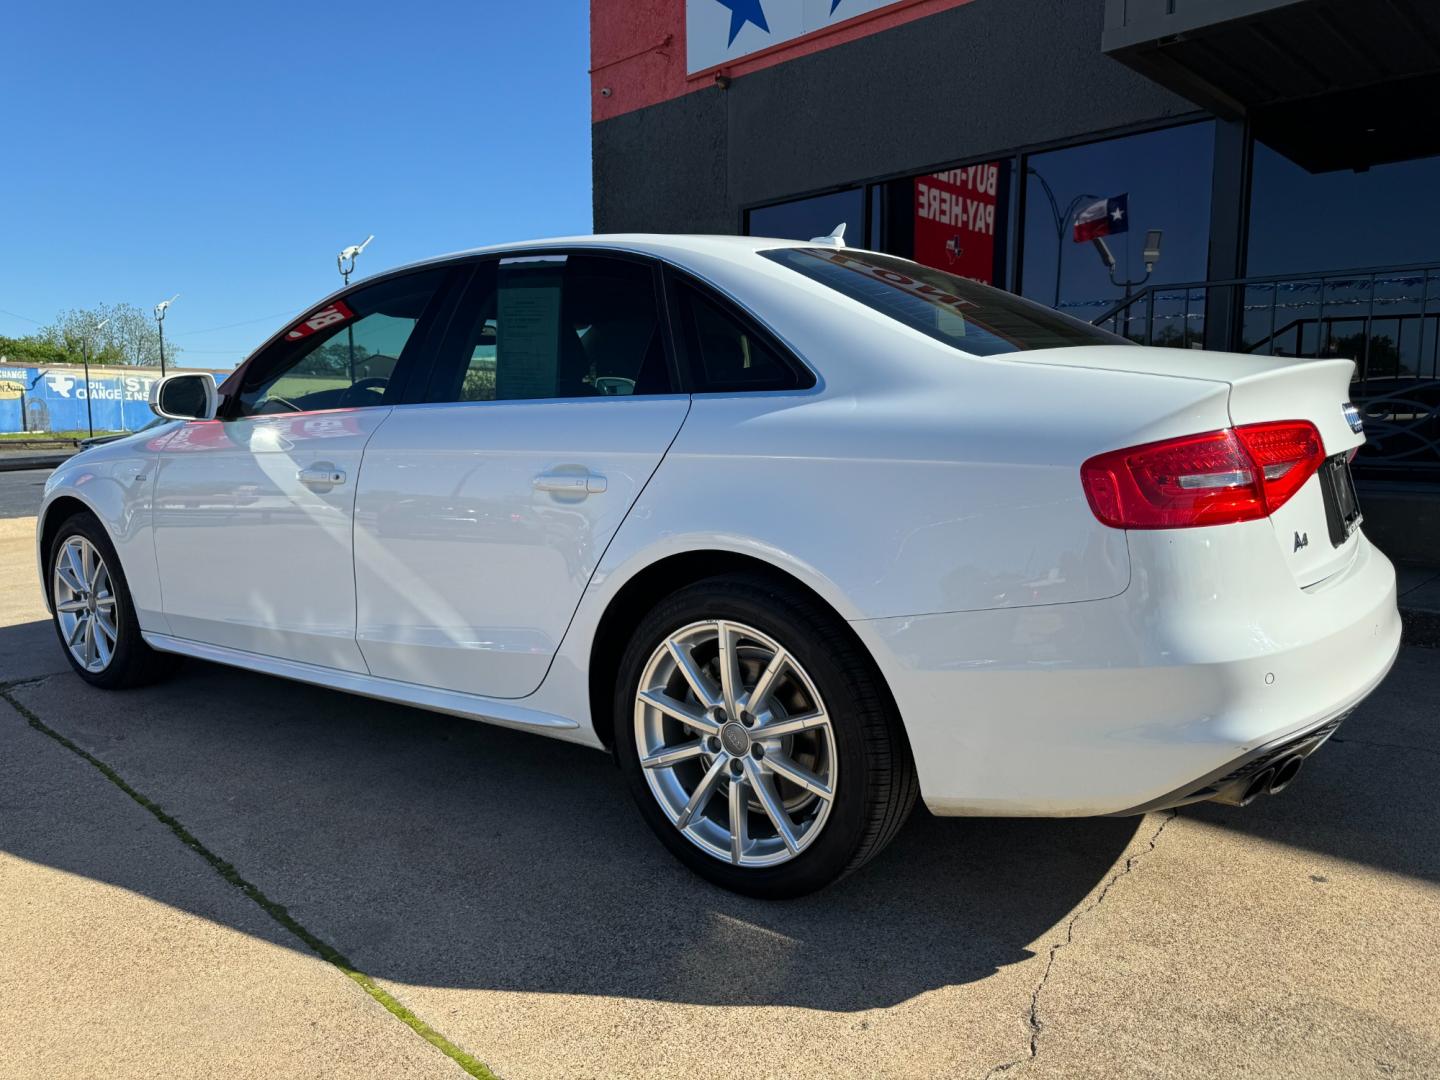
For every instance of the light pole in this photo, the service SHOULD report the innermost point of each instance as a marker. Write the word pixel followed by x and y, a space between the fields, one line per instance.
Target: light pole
pixel 345 263
pixel 1060 222
pixel 85 353
pixel 1151 256
pixel 160 310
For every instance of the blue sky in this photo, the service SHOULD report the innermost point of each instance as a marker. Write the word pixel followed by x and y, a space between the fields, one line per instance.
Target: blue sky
pixel 227 152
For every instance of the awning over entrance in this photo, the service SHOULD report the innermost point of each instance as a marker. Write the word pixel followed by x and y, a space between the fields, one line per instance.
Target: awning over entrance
pixel 1332 84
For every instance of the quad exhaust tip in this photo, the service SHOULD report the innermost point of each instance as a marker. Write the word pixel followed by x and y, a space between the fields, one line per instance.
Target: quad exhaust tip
pixel 1268 781
pixel 1260 785
pixel 1285 774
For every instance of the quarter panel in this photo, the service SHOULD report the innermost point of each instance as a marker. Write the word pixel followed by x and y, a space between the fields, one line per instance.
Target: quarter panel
pixel 906 500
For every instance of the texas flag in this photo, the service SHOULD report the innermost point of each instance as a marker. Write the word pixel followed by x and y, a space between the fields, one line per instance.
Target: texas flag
pixel 1103 218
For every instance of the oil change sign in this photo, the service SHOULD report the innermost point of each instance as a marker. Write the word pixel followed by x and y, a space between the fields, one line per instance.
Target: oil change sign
pixel 61 399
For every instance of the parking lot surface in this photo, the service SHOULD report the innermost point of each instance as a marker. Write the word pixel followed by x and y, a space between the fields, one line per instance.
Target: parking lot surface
pixel 20 492
pixel 499 891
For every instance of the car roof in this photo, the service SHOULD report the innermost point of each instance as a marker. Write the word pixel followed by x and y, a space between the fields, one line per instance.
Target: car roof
pixel 659 245
pixel 676 247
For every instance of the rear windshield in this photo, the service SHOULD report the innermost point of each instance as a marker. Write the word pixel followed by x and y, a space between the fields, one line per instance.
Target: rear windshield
pixel 965 314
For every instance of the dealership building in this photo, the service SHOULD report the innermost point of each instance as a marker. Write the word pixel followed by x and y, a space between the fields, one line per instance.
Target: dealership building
pixel 1261 175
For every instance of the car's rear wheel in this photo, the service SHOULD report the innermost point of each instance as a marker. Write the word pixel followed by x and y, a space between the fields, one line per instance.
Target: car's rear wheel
pixel 92 611
pixel 758 739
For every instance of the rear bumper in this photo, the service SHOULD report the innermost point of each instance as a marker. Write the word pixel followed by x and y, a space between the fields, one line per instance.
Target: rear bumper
pixel 1138 701
pixel 1235 781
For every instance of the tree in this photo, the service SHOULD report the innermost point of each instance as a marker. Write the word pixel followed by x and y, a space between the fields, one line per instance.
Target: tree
pixel 1384 358
pixel 128 337
pixel 30 350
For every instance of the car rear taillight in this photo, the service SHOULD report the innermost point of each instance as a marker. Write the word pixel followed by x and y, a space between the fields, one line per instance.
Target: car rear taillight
pixel 1237 474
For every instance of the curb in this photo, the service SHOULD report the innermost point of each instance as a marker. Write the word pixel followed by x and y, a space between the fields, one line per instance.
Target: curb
pixel 38 445
pixel 39 461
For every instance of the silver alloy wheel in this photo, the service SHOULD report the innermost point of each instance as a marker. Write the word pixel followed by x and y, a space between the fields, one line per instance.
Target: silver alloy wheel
pixel 723 710
pixel 85 604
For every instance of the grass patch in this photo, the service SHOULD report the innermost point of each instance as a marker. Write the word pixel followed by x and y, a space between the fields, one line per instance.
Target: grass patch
pixel 49 436
pixel 322 949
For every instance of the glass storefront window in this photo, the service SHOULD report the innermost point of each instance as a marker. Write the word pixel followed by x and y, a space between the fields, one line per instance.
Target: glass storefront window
pixel 1156 180
pixel 1304 222
pixel 805 219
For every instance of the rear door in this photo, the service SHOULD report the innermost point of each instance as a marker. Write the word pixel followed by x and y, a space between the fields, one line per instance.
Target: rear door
pixel 253 512
pixel 484 508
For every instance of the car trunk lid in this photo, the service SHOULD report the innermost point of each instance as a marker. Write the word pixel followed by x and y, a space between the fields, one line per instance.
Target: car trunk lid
pixel 1315 526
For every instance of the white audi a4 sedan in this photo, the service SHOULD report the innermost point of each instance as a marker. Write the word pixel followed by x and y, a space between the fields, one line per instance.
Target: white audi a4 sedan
pixel 797 532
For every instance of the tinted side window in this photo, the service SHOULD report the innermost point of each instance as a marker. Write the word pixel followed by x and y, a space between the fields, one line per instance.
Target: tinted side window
pixel 557 326
pixel 725 355
pixel 344 355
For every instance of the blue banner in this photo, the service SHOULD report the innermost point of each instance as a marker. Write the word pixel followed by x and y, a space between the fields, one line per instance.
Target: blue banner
pixel 53 399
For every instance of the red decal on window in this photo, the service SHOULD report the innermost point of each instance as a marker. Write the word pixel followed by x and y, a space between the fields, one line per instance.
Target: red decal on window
pixel 327 316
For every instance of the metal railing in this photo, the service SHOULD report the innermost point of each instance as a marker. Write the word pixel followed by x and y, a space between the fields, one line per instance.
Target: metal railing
pixel 1387 319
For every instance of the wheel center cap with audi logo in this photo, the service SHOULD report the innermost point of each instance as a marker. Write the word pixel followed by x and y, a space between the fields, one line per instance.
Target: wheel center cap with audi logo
pixel 735 739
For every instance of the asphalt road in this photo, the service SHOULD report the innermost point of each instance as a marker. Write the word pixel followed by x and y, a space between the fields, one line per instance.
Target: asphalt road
pixel 20 492
pixel 502 889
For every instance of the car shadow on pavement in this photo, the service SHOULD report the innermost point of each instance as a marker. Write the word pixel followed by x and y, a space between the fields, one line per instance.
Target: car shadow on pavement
pixel 437 851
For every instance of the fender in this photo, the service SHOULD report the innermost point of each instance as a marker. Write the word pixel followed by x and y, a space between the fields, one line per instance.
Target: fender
pixel 116 483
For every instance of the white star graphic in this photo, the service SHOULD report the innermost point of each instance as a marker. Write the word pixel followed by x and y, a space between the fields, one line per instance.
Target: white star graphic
pixel 1117 213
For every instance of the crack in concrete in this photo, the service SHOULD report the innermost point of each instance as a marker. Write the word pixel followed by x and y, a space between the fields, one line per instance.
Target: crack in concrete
pixel 29 680
pixel 1033 1019
pixel 321 948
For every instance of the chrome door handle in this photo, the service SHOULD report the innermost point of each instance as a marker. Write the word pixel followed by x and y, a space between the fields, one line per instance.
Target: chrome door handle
pixel 320 476
pixel 566 483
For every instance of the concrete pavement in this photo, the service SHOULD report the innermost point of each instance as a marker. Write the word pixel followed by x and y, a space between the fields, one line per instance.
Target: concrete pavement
pixel 27 642
pixel 502 888
pixel 123 954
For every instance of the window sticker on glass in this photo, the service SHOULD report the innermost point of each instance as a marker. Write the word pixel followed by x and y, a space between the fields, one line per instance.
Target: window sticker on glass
pixel 327 316
pixel 949 322
pixel 527 342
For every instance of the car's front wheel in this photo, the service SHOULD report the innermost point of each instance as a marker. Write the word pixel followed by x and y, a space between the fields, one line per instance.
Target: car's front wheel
pixel 758 739
pixel 93 615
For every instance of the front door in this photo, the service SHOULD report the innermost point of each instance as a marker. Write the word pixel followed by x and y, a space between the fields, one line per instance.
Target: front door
pixel 253 512
pixel 483 512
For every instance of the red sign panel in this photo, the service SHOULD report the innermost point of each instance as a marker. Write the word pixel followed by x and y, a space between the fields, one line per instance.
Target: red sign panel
pixel 955 220
pixel 326 316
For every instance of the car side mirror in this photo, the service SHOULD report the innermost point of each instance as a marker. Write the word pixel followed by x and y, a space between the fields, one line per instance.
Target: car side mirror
pixel 188 396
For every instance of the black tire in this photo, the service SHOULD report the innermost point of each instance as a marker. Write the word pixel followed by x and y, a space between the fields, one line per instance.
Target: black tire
pixel 132 662
pixel 877 784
